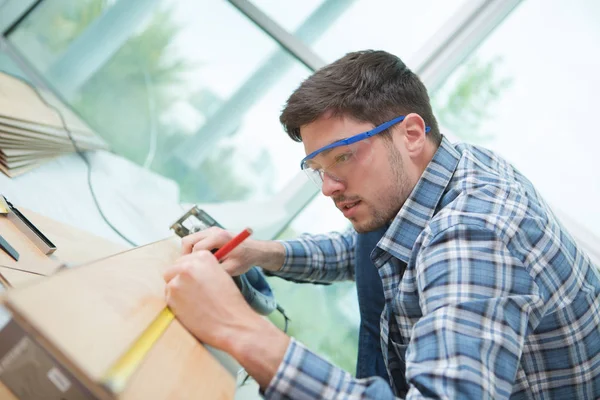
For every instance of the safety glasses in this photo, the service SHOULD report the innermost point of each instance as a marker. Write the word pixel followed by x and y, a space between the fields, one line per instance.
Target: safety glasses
pixel 338 159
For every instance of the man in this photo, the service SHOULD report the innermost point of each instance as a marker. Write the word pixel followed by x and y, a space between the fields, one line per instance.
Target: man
pixel 486 294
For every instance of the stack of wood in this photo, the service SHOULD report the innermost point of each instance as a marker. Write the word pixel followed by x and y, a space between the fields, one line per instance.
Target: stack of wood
pixel 68 326
pixel 32 131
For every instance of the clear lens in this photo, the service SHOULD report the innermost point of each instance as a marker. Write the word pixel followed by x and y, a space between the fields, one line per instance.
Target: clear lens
pixel 314 176
pixel 340 162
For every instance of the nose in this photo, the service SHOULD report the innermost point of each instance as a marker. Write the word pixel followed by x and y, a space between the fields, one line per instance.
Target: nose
pixel 331 185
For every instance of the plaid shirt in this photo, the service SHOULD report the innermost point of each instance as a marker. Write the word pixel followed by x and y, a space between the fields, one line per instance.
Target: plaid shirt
pixel 496 300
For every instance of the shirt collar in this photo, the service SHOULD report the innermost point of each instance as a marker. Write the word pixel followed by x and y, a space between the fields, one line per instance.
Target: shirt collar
pixel 420 206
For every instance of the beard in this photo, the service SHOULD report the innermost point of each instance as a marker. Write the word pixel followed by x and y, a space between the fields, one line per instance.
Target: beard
pixel 392 198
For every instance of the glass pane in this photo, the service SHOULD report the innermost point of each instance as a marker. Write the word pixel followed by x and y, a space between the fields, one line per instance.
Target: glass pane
pixel 338 27
pixel 528 93
pixel 289 14
pixel 53 26
pixel 324 317
pixel 7 65
pixel 399 27
pixel 191 90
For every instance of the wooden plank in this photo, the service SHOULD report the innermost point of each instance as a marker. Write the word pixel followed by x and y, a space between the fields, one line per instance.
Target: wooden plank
pixel 35 116
pixel 125 293
pixel 18 162
pixel 21 144
pixel 19 129
pixel 73 245
pixel 194 374
pixel 14 172
pixel 17 154
pixel 88 316
pixel 24 163
pixel 16 278
pixel 6 394
pixel 20 102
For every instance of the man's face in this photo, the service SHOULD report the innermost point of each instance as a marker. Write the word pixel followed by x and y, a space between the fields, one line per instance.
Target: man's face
pixel 372 189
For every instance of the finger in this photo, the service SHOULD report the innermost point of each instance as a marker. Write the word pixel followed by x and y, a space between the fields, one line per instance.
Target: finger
pixel 172 272
pixel 209 243
pixel 230 266
pixel 216 240
pixel 177 268
pixel 171 292
pixel 200 256
pixel 189 264
pixel 188 242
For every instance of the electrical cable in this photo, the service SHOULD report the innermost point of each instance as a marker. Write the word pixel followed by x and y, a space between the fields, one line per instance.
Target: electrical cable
pixel 93 193
pixel 81 154
pixel 285 318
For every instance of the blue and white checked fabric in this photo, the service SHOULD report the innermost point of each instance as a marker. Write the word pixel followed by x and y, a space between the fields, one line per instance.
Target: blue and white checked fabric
pixel 496 300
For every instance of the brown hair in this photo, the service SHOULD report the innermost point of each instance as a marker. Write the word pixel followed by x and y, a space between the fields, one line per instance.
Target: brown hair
pixel 371 86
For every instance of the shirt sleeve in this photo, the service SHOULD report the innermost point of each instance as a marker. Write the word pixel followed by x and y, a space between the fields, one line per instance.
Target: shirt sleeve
pixel 320 258
pixel 304 375
pixel 478 303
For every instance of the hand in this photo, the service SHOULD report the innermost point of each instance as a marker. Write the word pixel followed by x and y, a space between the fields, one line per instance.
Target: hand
pixel 267 254
pixel 206 300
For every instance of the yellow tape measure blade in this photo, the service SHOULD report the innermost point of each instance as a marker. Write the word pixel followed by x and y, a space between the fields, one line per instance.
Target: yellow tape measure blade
pixel 117 377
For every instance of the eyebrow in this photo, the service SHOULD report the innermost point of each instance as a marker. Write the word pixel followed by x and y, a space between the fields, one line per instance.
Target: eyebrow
pixel 325 152
pixel 343 138
pixel 339 140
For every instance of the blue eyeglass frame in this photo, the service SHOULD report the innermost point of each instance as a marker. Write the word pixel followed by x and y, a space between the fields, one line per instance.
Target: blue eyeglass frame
pixel 357 138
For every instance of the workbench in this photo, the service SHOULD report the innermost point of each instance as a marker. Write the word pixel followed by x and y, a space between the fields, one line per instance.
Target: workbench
pixel 91 298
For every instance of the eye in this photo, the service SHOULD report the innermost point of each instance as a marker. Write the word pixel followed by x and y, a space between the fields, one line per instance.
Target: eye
pixel 310 164
pixel 341 158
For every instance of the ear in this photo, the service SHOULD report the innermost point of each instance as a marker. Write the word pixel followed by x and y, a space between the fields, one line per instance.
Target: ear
pixel 415 136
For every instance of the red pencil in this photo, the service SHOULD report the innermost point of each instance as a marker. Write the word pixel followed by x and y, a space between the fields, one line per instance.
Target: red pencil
pixel 233 243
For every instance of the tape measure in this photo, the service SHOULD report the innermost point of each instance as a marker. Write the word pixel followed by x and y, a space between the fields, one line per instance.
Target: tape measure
pixel 118 375
pixel 4 208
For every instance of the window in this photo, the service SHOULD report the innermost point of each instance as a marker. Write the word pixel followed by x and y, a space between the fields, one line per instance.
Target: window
pixel 7 65
pixel 529 93
pixel 191 90
pixel 292 15
pixel 400 27
pixel 11 10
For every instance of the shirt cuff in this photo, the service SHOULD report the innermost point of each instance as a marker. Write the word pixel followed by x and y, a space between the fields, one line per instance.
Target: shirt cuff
pixel 287 260
pixel 303 374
